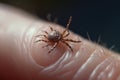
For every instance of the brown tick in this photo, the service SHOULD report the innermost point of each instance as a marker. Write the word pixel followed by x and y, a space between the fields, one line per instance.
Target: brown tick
pixel 55 37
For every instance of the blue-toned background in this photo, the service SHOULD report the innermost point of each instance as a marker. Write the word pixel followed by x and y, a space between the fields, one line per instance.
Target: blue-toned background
pixel 100 18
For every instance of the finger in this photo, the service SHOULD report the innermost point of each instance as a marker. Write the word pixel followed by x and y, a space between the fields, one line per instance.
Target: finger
pixel 29 61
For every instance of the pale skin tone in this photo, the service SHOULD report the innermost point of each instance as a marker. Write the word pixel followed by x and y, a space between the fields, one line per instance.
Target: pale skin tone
pixel 22 59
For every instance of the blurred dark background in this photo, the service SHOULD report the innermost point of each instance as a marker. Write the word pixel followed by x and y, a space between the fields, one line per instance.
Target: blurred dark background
pixel 98 18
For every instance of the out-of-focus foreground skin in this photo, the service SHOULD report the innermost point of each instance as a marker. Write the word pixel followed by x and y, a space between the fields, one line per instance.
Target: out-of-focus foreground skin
pixel 22 59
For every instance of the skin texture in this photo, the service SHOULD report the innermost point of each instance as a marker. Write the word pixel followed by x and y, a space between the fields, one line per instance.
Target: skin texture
pixel 23 59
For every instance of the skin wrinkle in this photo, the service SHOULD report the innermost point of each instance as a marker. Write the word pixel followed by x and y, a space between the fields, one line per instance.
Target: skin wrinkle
pixel 57 70
pixel 50 70
pixel 63 62
pixel 97 58
pixel 104 74
pixel 109 70
pixel 102 71
pixel 114 72
pixel 111 73
pixel 53 66
pixel 56 67
pixel 99 68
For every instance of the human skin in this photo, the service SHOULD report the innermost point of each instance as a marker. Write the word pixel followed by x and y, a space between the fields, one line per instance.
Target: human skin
pixel 23 59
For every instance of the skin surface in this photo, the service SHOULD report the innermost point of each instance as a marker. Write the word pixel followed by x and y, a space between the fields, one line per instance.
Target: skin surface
pixel 23 59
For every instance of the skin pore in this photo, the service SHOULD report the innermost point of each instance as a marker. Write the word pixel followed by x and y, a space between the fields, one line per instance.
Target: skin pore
pixel 22 59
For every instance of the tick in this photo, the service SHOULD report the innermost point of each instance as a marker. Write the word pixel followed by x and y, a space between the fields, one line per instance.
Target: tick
pixel 55 37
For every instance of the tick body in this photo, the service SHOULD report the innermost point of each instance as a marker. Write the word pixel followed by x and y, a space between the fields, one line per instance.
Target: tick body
pixel 55 37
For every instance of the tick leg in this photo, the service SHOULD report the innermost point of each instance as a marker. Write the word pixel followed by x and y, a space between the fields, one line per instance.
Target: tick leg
pixel 68 45
pixel 67 26
pixel 54 46
pixel 45 46
pixel 66 34
pixel 41 35
pixel 45 32
pixel 51 28
pixel 70 40
pixel 41 40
